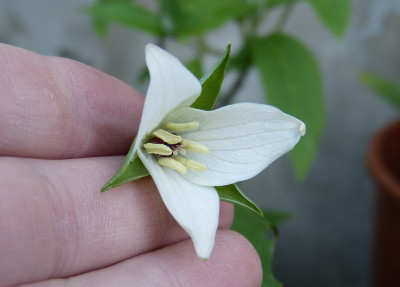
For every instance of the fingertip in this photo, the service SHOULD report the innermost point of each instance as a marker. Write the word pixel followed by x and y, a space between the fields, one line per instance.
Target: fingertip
pixel 225 215
pixel 242 256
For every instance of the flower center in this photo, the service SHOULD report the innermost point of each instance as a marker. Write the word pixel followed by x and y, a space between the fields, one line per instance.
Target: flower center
pixel 170 148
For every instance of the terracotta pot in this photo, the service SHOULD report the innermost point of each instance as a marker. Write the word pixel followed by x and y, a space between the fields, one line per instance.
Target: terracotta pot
pixel 384 164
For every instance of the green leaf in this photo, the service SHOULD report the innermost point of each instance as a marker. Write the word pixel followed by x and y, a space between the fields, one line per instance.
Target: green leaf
pixel 389 90
pixel 256 230
pixel 199 16
pixel 335 14
pixel 100 25
pixel 231 193
pixel 211 83
pixel 131 169
pixel 293 83
pixel 170 16
pixel 126 14
pixel 276 217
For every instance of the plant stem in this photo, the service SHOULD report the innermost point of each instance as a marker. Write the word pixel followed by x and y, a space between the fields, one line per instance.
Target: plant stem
pixel 227 99
pixel 243 72
pixel 202 47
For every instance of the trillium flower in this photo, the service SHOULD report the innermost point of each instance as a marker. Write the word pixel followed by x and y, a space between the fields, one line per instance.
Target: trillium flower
pixel 188 151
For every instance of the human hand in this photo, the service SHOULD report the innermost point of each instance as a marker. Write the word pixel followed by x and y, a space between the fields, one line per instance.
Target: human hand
pixel 62 125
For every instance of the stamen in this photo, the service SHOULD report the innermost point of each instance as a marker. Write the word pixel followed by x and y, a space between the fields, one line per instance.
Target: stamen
pixel 172 163
pixel 167 137
pixel 159 149
pixel 194 146
pixel 174 127
pixel 167 146
pixel 191 164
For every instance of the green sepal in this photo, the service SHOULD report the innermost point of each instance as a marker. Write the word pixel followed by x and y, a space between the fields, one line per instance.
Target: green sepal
pixel 231 193
pixel 131 169
pixel 211 83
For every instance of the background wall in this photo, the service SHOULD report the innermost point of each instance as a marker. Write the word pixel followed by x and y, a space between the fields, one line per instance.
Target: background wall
pixel 327 243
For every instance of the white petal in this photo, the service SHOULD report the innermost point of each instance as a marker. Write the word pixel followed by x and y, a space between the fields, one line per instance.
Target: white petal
pixel 194 207
pixel 243 140
pixel 171 86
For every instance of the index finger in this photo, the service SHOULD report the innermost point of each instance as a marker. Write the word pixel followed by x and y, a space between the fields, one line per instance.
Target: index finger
pixel 58 108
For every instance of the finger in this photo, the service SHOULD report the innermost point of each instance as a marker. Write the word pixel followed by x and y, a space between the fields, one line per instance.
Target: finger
pixel 58 108
pixel 233 263
pixel 55 222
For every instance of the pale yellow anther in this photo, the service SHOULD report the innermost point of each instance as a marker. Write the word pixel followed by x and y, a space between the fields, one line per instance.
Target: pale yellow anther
pixel 167 137
pixel 171 163
pixel 194 146
pixel 191 164
pixel 174 127
pixel 159 149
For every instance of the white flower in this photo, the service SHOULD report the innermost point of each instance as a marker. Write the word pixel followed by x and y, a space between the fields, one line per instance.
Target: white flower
pixel 189 151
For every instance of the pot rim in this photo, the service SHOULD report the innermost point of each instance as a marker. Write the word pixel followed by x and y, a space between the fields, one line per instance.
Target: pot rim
pixel 377 167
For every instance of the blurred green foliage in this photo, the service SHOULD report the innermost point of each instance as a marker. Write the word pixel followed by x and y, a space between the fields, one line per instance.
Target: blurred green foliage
pixel 289 72
pixel 387 89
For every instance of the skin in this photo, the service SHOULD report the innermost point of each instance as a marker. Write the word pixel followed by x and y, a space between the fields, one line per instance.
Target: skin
pixel 63 129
